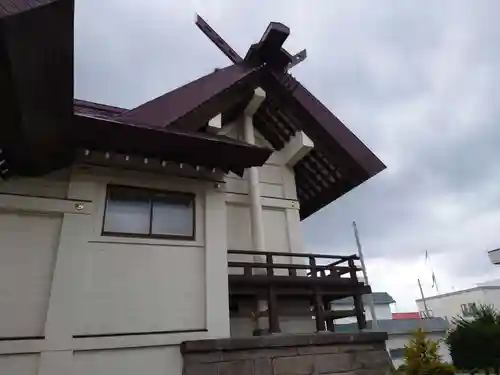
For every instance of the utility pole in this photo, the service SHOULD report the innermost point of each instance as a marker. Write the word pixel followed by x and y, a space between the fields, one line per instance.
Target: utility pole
pixel 375 325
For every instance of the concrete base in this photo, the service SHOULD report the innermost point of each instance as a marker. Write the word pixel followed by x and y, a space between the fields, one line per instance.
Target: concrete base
pixel 309 354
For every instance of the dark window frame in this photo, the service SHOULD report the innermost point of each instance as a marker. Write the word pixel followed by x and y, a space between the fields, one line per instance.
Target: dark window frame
pixel 463 308
pixel 150 193
pixel 423 314
pixel 468 309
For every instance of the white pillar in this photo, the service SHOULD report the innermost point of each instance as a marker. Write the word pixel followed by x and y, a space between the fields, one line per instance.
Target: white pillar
pixel 216 279
pixel 257 221
pixel 254 191
pixel 253 173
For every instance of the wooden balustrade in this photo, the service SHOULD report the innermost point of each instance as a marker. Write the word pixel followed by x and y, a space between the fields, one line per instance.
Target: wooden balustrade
pixel 324 278
pixel 335 268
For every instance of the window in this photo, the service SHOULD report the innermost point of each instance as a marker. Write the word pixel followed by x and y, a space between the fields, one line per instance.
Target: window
pixel 428 314
pixel 147 213
pixel 468 309
pixel 397 353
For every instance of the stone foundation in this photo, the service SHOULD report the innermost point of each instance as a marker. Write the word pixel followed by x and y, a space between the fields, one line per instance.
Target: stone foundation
pixel 309 354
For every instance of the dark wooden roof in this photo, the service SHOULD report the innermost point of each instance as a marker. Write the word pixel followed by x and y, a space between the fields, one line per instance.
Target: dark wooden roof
pixel 36 85
pixel 190 107
pixel 339 161
pixel 13 7
pixel 103 130
pixel 41 129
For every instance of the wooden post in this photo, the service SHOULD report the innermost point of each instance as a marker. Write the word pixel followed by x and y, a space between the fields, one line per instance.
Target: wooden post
pixel 314 269
pixel 318 303
pixel 358 301
pixel 329 318
pixel 269 265
pixel 272 301
pixel 247 270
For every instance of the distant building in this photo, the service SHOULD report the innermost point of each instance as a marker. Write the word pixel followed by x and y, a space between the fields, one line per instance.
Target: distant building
pixel 382 302
pixel 494 256
pixel 462 302
pixel 399 332
pixel 398 326
pixel 406 315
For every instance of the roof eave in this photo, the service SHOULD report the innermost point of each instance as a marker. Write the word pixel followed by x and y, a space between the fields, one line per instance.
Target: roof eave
pixel 198 149
pixel 329 134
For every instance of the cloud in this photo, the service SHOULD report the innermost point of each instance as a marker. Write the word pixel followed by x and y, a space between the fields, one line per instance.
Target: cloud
pixel 417 81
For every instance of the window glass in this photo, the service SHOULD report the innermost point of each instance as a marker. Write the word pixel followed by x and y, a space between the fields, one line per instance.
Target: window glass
pixel 473 307
pixel 127 211
pixel 173 215
pixel 397 353
pixel 425 315
pixel 144 212
pixel 468 309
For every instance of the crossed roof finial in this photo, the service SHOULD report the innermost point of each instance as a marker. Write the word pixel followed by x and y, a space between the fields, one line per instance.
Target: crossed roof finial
pixel 268 50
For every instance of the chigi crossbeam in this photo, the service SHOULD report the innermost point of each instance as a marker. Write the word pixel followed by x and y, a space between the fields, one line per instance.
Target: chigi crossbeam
pixel 270 44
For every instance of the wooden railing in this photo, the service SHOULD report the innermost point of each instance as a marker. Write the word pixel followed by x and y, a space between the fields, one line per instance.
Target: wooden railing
pixel 318 270
pixel 340 265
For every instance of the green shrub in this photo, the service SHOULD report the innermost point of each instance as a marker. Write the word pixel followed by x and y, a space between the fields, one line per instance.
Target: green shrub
pixel 421 357
pixel 475 343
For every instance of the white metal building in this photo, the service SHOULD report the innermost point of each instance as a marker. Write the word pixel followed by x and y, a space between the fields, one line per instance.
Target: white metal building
pixel 462 302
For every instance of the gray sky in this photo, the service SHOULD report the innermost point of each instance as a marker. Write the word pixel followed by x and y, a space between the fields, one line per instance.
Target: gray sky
pixel 417 81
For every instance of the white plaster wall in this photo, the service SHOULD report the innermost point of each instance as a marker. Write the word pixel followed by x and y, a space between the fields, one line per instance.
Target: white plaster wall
pixel 276 180
pixel 53 185
pixel 293 318
pixel 28 245
pixel 107 305
pixel 492 297
pixel 279 201
pixel 153 289
pixel 141 297
pixel 243 327
pixel 275 228
pixel 132 285
pixel 19 364
pixel 282 231
pixel 150 361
